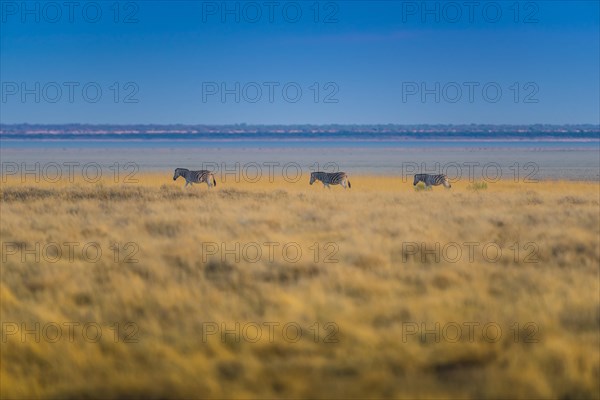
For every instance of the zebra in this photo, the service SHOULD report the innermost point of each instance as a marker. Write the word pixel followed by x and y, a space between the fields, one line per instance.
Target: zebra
pixel 331 178
pixel 192 177
pixel 432 180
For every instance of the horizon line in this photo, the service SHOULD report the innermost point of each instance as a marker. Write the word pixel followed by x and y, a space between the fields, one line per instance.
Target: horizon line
pixel 302 124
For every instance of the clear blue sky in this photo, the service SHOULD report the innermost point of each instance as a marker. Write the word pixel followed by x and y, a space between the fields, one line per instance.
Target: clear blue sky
pixel 373 58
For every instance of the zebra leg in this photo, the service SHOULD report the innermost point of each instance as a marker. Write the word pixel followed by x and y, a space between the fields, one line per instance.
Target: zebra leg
pixel 186 183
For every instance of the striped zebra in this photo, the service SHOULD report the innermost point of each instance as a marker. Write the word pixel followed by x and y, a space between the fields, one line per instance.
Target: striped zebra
pixel 432 180
pixel 192 177
pixel 331 178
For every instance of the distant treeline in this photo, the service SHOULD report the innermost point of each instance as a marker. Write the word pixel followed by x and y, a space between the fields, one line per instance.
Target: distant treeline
pixel 99 129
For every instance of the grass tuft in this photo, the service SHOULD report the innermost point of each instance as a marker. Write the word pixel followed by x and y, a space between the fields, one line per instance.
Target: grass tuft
pixel 478 186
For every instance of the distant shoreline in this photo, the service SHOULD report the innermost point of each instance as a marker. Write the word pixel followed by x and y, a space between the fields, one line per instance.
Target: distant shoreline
pixel 337 138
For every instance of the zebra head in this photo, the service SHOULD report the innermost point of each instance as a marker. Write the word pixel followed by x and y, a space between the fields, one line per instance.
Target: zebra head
pixel 312 178
pixel 446 182
pixel 416 180
pixel 178 172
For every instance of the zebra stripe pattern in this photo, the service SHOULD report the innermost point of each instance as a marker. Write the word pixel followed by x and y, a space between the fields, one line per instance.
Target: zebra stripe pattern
pixel 192 177
pixel 432 180
pixel 331 178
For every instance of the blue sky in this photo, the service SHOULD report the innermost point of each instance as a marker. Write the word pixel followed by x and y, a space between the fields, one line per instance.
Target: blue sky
pixel 300 62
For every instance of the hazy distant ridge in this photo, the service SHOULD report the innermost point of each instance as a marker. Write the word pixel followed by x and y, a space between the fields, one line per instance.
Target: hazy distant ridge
pixel 12 130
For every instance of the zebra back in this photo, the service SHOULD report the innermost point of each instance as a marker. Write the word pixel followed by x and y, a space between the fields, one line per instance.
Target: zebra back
pixel 331 178
pixel 195 176
pixel 431 180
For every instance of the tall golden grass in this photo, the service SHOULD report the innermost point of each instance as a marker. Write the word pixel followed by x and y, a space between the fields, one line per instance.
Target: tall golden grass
pixel 367 301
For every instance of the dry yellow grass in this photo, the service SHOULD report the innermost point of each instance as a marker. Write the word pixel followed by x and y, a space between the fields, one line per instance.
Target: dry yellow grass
pixel 375 294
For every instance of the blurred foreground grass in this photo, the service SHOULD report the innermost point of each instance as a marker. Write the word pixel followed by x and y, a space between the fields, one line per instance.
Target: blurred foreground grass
pixel 214 307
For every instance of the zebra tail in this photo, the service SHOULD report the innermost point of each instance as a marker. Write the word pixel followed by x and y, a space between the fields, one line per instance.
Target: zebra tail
pixel 349 185
pixel 214 181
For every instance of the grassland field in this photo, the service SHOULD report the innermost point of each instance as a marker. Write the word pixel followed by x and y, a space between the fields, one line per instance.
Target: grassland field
pixel 203 293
